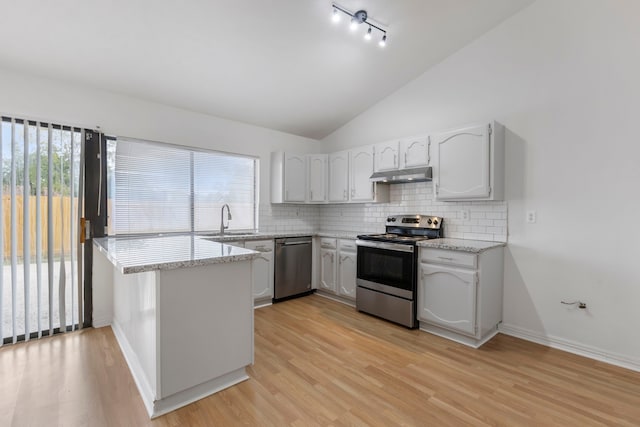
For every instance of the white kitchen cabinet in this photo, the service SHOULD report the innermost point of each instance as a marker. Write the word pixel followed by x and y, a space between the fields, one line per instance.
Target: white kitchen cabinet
pixel 262 270
pixel 460 294
pixel 328 252
pixel 361 168
pixel 346 282
pixel 448 298
pixel 386 156
pixel 470 163
pixel 414 152
pixel 339 176
pixel 317 177
pixel 288 177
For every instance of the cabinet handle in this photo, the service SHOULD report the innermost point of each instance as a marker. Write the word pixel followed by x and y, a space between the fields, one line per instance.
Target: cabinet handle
pixel 311 195
pixel 344 194
pixel 405 158
pixel 446 258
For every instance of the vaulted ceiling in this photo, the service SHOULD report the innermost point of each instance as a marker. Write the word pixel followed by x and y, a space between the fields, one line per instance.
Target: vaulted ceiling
pixel 281 64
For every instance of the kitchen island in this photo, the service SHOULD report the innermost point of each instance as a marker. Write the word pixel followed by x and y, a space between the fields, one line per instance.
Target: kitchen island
pixel 181 308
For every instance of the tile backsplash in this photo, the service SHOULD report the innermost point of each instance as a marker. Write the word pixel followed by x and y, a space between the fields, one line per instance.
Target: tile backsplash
pixel 487 220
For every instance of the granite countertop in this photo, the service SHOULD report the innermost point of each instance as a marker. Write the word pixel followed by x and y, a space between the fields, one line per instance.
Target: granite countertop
pixel 231 237
pixel 464 245
pixel 140 254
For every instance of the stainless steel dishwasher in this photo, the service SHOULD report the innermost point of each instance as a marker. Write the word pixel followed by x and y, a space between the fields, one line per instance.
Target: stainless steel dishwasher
pixel 292 268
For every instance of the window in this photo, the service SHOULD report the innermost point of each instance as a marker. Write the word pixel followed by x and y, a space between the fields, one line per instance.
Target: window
pixel 162 188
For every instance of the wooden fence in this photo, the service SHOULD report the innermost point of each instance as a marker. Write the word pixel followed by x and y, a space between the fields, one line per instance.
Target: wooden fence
pixel 63 212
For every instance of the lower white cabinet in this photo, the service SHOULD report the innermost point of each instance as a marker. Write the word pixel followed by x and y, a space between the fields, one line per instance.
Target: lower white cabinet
pixel 328 252
pixel 347 268
pixel 337 267
pixel 262 270
pixel 448 298
pixel 460 294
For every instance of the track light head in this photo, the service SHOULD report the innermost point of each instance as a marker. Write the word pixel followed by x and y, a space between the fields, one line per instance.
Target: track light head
pixel 367 36
pixel 335 17
pixel 383 41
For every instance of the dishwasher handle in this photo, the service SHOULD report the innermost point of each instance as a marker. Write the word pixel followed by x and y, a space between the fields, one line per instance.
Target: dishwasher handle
pixel 306 242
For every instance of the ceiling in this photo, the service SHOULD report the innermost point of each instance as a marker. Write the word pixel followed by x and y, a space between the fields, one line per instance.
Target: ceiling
pixel 281 64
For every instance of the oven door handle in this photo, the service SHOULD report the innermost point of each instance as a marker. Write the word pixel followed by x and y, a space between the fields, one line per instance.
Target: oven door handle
pixel 385 245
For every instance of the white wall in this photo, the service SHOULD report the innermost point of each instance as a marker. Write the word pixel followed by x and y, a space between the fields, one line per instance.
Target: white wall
pixel 49 100
pixel 563 77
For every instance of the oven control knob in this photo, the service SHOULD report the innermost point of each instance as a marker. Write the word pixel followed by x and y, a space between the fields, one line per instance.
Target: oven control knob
pixel 391 219
pixel 429 221
pixel 435 222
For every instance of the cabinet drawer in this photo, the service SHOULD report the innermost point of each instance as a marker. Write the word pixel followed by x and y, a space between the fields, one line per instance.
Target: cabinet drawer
pixel 347 245
pixel 328 243
pixel 441 256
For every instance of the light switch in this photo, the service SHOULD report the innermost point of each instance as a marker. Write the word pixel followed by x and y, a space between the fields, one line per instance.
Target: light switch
pixel 531 217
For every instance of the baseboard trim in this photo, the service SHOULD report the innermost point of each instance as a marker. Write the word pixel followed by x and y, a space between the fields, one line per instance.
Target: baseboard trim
pixel 146 391
pixel 336 298
pixel 571 347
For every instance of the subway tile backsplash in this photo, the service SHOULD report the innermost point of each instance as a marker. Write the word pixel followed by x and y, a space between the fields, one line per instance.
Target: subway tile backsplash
pixel 487 220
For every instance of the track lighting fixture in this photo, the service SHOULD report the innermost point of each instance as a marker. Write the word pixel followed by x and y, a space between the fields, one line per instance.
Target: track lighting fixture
pixel 357 18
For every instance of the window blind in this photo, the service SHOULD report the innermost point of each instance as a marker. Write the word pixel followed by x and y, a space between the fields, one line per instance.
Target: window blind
pixel 40 288
pixel 162 188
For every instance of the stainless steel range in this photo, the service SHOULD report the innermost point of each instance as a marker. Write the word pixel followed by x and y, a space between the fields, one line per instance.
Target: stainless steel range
pixel 387 272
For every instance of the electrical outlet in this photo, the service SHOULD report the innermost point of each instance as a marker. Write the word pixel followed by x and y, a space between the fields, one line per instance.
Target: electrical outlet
pixel 531 217
pixel 465 214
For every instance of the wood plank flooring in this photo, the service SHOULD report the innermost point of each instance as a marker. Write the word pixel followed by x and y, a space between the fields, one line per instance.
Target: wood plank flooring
pixel 318 362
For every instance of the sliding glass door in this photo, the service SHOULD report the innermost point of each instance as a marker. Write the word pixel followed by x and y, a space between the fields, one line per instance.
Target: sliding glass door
pixel 41 285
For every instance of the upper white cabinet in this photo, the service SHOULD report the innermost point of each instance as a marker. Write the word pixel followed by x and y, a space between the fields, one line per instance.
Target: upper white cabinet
pixel 317 179
pixel 414 152
pixel 339 176
pixel 288 178
pixel 361 168
pixel 386 156
pixel 470 163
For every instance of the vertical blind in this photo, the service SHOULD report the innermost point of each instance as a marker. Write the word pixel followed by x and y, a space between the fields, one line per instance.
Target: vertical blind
pixel 41 284
pixel 161 188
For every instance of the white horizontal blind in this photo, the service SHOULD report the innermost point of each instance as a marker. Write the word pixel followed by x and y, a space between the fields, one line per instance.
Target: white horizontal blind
pixel 38 223
pixel 162 188
pixel 219 179
pixel 152 188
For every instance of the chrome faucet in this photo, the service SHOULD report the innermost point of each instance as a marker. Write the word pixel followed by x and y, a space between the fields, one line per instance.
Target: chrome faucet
pixel 222 226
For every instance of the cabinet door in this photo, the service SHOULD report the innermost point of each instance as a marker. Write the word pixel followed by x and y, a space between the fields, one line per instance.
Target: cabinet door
pixel 447 298
pixel 386 156
pixel 262 269
pixel 295 177
pixel 339 176
pixel 362 189
pixel 463 169
pixel 328 270
pixel 317 167
pixel 414 152
pixel 347 274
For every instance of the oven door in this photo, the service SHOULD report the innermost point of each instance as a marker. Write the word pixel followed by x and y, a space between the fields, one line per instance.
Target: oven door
pixel 387 267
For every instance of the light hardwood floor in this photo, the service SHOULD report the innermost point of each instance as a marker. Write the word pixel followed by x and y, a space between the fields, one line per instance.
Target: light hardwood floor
pixel 319 362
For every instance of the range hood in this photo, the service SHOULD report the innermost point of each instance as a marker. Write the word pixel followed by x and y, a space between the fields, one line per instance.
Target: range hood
pixel 405 175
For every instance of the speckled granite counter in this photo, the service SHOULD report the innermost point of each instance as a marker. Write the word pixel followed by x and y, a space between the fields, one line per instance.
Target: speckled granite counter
pixel 338 234
pixel 137 255
pixel 464 245
pixel 230 237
